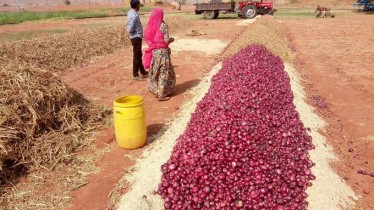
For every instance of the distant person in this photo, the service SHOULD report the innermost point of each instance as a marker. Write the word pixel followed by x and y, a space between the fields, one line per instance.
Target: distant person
pixel 135 29
pixel 176 5
pixel 157 56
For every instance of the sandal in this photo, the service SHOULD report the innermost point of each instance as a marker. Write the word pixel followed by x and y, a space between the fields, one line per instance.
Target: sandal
pixel 138 78
pixel 164 99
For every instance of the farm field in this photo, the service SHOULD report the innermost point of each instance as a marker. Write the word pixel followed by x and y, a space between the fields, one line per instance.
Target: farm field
pixel 330 80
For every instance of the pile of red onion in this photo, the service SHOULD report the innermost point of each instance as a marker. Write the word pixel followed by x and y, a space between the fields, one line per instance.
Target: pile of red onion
pixel 245 146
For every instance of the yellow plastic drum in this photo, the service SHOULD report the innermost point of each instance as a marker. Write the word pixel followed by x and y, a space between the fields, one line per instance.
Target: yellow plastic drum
pixel 129 122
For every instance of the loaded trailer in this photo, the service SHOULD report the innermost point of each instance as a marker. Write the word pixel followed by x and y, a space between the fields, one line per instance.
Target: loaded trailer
pixel 244 9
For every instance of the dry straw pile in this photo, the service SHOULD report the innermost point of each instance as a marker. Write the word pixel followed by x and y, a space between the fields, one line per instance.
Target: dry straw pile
pixel 63 51
pixel 267 32
pixel 40 118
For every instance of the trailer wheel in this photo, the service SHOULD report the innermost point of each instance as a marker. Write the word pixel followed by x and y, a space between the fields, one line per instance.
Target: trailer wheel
pixel 250 11
pixel 209 14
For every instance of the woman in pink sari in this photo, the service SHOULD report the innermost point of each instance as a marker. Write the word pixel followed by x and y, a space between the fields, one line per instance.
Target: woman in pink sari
pixel 157 56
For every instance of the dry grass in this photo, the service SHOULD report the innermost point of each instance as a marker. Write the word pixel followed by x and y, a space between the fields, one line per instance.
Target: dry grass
pixel 43 123
pixel 267 32
pixel 50 190
pixel 60 52
pixel 42 120
pixel 38 115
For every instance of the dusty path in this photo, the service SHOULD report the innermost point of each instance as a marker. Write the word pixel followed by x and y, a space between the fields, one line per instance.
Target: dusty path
pixel 111 77
pixel 333 57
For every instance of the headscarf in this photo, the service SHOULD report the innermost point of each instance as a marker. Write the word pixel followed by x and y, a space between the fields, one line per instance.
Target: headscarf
pixel 153 35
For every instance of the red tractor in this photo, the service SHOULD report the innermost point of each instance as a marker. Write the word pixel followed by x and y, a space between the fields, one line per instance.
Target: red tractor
pixel 245 9
pixel 249 9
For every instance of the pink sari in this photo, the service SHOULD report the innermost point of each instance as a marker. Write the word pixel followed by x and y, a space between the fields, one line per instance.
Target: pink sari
pixel 153 36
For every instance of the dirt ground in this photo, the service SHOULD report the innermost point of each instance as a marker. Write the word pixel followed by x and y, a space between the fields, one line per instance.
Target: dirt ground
pixel 111 77
pixel 333 57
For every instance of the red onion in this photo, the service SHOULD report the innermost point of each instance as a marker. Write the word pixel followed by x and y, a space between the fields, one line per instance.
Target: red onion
pixel 167 205
pixel 239 204
pixel 363 172
pixel 245 146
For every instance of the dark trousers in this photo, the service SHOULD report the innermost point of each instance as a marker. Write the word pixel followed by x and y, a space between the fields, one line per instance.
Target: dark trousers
pixel 137 62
